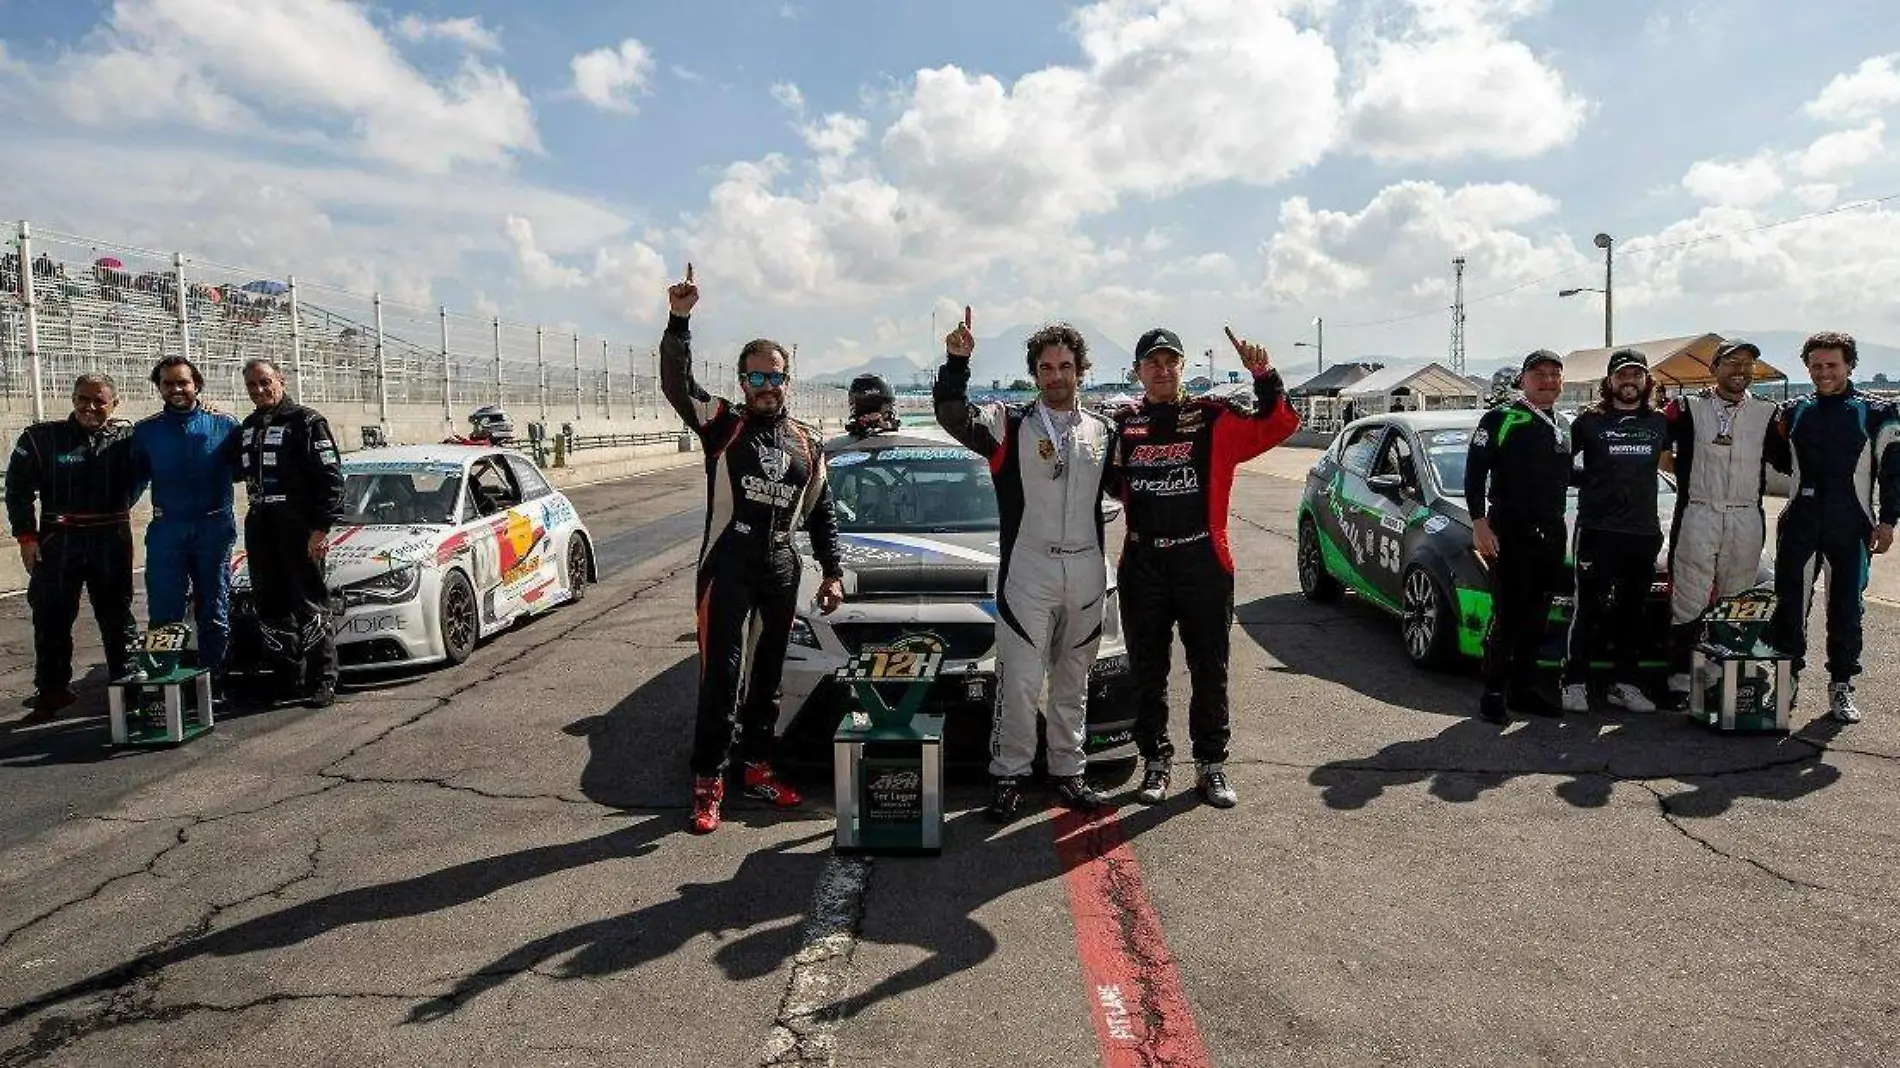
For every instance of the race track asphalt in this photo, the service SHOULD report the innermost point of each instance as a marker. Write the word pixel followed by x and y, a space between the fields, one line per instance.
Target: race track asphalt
pixel 487 865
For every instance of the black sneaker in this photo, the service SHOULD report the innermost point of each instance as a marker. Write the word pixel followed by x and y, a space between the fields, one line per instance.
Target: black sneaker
pixel 1532 702
pixel 1006 800
pixel 1154 782
pixel 1214 788
pixel 322 697
pixel 1075 792
pixel 1491 708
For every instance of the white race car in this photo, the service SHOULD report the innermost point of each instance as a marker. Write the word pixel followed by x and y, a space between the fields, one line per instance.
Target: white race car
pixel 440 547
pixel 918 533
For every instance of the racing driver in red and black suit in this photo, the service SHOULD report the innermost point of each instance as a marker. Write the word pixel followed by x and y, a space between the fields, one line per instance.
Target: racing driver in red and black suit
pixel 1174 471
pixel 765 480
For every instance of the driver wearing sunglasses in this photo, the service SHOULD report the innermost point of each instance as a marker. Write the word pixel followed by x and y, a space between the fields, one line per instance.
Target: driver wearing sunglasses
pixel 765 479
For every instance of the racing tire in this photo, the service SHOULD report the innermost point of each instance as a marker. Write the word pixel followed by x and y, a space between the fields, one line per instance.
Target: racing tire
pixel 459 617
pixel 1427 623
pixel 577 566
pixel 1316 583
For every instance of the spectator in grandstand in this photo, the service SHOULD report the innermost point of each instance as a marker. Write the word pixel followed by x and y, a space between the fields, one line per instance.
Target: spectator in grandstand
pixel 80 470
pixel 188 453
pixel 294 479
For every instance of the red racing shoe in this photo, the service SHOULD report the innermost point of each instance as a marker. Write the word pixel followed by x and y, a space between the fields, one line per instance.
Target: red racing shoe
pixel 762 784
pixel 707 793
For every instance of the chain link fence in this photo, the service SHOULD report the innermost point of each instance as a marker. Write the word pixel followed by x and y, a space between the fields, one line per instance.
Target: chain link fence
pixel 101 306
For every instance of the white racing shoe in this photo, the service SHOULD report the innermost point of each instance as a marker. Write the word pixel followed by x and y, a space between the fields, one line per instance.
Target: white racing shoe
pixel 1840 701
pixel 1627 695
pixel 1576 698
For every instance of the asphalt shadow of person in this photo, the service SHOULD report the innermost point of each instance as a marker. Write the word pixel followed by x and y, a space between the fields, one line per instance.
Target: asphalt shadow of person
pixel 1590 752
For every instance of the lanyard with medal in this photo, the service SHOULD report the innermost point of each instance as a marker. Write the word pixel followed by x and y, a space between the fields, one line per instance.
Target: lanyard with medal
pixel 1556 432
pixel 1725 416
pixel 1052 442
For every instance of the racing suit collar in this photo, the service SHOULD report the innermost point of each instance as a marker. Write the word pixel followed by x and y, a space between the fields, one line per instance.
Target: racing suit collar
pixel 763 418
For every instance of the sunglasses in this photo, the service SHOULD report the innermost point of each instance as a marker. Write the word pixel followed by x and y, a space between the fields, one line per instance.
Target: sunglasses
pixel 762 379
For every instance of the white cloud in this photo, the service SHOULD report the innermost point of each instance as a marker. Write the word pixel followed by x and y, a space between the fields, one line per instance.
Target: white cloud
pixel 687 74
pixel 1740 183
pixel 1455 85
pixel 538 267
pixel 1402 242
pixel 626 277
pixel 610 78
pixel 222 64
pixel 1816 195
pixel 1842 150
pixel 467 32
pixel 837 136
pixel 1870 89
pixel 790 11
pixel 1834 266
pixel 788 96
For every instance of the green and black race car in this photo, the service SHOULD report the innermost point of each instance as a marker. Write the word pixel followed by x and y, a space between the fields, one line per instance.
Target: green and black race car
pixel 1384 515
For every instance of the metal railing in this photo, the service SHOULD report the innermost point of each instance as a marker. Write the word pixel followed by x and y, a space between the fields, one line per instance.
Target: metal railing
pixel 72 305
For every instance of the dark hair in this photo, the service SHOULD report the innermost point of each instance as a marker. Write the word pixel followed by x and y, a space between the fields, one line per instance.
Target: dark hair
pixel 1058 334
pixel 1606 397
pixel 178 360
pixel 1831 339
pixel 763 347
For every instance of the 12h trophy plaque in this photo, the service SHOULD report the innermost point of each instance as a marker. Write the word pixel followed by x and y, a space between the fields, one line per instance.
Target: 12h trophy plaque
pixel 889 757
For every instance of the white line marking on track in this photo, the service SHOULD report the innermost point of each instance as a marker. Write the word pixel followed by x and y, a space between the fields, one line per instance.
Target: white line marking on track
pixel 805 1032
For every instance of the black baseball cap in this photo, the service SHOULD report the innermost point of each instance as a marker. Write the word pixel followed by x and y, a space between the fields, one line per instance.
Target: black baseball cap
pixel 1541 356
pixel 1729 348
pixel 1622 358
pixel 1158 340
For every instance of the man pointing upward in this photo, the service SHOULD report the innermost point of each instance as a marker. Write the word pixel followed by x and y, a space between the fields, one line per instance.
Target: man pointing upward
pixel 1049 461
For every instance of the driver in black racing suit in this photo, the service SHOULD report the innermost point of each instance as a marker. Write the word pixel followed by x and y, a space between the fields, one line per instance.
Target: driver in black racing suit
pixel 765 479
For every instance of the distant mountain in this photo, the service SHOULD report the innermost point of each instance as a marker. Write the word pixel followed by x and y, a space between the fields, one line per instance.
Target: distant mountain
pixel 999 357
pixel 899 371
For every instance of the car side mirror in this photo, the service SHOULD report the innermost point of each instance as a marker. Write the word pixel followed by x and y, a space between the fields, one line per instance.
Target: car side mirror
pixel 1387 484
pixel 1111 509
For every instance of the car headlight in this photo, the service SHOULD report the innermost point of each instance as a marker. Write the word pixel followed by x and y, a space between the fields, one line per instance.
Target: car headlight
pixel 802 634
pixel 391 587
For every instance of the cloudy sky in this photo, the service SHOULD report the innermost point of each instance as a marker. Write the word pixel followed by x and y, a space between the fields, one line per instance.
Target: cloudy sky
pixel 840 170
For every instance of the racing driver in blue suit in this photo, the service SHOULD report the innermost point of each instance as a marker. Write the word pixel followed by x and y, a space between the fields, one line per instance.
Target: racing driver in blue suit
pixel 188 453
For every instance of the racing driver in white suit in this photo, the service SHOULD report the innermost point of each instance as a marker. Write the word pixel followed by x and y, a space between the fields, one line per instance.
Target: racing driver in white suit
pixel 1716 443
pixel 1048 460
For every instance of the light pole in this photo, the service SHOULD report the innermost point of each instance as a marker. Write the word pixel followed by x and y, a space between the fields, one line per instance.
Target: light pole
pixel 1606 243
pixel 1318 346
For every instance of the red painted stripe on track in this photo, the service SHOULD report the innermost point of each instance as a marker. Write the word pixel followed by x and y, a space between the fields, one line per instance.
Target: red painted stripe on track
pixel 1141 1013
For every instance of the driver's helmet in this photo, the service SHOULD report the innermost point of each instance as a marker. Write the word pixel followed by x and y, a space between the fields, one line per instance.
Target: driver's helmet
pixel 870 393
pixel 1503 387
pixel 491 423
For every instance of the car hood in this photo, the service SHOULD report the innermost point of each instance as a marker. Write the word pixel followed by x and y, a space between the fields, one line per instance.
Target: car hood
pixel 897 566
pixel 358 553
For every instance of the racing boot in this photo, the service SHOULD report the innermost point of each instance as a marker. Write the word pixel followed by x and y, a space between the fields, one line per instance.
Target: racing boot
pixel 1075 792
pixel 1154 781
pixel 1576 698
pixel 1840 701
pixel 1627 695
pixel 47 706
pixel 1680 685
pixel 1491 708
pixel 1006 800
pixel 322 697
pixel 762 784
pixel 707 793
pixel 1213 786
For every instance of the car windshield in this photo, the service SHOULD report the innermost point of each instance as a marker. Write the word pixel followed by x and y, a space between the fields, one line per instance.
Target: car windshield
pixel 926 490
pixel 401 497
pixel 1447 449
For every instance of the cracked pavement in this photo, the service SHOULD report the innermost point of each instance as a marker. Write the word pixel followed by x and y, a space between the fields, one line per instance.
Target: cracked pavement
pixel 485 865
